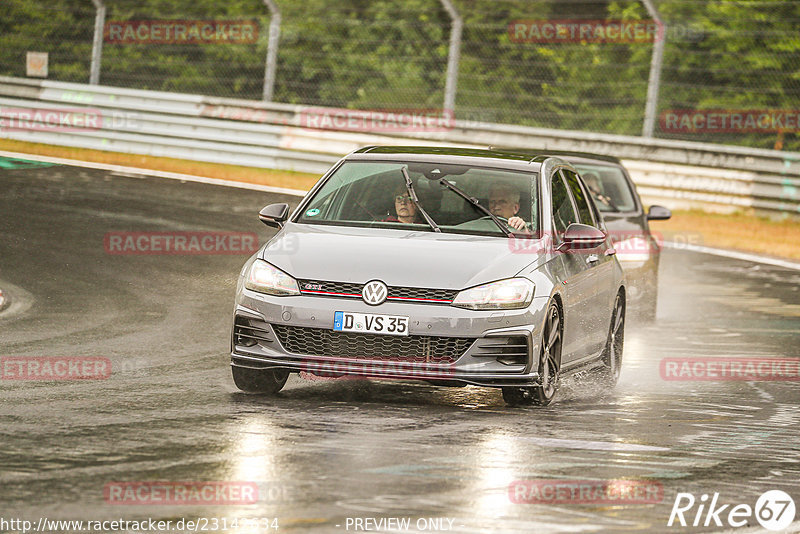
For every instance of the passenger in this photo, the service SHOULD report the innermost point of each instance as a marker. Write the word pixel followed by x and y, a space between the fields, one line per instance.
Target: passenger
pixel 404 207
pixel 504 202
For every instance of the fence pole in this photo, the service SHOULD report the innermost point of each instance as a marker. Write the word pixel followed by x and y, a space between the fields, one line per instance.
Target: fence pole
pixel 97 43
pixel 653 84
pixel 452 56
pixel 272 49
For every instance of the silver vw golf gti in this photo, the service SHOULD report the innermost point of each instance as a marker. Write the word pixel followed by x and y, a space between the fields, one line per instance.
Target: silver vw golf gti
pixel 453 266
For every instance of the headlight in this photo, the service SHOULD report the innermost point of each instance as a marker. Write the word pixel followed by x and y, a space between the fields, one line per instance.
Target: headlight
pixel 511 294
pixel 265 278
pixel 636 249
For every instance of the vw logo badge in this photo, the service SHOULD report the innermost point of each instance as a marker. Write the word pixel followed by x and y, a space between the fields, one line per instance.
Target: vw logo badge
pixel 374 292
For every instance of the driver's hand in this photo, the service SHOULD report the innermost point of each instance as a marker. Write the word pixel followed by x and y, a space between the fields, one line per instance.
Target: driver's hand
pixel 518 224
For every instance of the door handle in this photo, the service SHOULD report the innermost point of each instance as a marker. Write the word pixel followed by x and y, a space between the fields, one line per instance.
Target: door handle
pixel 592 258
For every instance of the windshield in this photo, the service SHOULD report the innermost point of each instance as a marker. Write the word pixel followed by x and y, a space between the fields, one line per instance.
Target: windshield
pixel 375 194
pixel 608 186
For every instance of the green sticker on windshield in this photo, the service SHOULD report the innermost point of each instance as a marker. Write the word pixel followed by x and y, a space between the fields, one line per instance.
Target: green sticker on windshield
pixel 312 213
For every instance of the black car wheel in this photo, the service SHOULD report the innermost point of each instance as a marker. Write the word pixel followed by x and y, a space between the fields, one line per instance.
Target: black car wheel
pixel 549 364
pixel 264 381
pixel 612 354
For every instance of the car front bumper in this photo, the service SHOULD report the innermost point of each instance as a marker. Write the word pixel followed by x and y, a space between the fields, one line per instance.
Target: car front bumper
pixel 486 348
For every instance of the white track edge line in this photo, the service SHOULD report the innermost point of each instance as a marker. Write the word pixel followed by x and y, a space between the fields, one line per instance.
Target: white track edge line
pixel 157 174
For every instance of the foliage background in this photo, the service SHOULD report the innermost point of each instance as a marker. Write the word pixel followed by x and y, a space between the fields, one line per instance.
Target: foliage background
pixel 720 54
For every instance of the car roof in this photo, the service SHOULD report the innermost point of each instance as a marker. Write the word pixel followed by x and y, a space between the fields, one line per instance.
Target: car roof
pixel 569 155
pixel 459 155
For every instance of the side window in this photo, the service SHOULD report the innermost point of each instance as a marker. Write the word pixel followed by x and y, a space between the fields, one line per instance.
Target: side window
pixel 580 197
pixel 563 210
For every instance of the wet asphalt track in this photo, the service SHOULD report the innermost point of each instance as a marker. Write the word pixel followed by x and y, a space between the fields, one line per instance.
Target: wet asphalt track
pixel 325 451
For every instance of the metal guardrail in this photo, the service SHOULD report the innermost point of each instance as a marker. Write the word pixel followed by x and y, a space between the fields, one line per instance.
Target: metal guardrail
pixel 272 135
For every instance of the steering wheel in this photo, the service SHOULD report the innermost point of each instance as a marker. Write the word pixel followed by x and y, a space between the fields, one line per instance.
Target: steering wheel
pixel 505 221
pixel 486 217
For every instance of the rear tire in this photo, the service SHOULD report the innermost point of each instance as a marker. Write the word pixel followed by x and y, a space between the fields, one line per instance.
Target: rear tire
pixel 264 381
pixel 612 353
pixel 549 365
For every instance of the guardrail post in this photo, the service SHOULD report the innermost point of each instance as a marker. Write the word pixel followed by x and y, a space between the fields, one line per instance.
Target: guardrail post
pixel 453 56
pixel 272 49
pixel 97 43
pixel 651 107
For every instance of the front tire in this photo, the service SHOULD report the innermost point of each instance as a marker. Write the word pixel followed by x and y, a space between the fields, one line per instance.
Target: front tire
pixel 264 381
pixel 549 365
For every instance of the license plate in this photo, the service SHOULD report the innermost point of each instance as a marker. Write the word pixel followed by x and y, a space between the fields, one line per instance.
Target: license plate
pixel 370 323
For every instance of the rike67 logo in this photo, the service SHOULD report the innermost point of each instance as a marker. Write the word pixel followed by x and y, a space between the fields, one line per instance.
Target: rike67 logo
pixel 774 510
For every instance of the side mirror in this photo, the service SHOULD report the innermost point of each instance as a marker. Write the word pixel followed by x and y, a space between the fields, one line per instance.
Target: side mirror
pixel 658 213
pixel 274 215
pixel 581 236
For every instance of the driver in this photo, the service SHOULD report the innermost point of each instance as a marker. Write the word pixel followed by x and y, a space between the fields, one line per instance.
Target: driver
pixel 504 202
pixel 592 181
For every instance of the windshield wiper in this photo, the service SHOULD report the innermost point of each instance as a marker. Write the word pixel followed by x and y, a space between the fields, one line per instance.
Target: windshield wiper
pixel 477 205
pixel 413 195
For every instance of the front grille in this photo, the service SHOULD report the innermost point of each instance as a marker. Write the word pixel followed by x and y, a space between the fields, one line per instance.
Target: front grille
pixel 396 293
pixel 334 289
pixel 412 349
pixel 420 293
pixel 510 350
